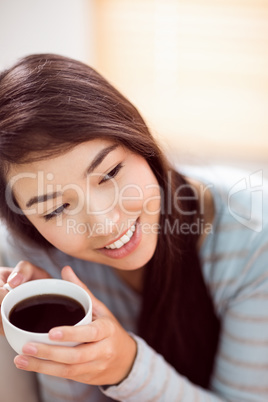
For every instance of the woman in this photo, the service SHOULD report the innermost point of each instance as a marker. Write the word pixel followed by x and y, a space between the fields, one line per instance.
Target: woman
pixel 84 185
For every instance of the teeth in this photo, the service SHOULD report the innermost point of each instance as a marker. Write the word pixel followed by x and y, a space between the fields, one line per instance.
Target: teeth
pixel 123 240
pixel 118 243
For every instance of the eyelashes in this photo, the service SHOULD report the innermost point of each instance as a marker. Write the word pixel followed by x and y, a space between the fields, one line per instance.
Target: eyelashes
pixel 112 174
pixel 58 211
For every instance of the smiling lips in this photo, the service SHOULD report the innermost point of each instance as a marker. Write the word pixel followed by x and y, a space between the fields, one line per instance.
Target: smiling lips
pixel 125 245
pixel 123 240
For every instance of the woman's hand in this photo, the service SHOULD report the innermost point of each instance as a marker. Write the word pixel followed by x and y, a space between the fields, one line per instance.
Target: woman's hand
pixel 23 272
pixel 104 357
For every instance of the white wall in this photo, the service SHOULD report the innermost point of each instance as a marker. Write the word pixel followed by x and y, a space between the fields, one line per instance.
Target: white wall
pixel 39 26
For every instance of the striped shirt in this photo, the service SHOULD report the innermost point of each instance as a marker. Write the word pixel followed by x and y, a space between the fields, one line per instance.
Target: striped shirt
pixel 234 259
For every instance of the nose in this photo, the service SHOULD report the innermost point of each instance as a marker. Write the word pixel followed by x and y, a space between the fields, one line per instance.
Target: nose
pixel 102 212
pixel 104 223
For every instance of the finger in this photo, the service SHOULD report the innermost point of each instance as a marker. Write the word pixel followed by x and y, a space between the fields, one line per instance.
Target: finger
pixel 4 274
pixel 99 308
pixel 3 292
pixel 43 366
pixel 88 373
pixel 63 354
pixel 93 332
pixel 25 271
pixel 49 367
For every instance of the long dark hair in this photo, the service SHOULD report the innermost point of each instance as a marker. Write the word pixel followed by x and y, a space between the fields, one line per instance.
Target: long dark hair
pixel 49 104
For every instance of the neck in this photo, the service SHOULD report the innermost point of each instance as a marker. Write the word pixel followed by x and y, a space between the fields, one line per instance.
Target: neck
pixel 133 278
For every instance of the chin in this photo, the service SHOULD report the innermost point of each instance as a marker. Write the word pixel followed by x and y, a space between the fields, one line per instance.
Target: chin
pixel 139 262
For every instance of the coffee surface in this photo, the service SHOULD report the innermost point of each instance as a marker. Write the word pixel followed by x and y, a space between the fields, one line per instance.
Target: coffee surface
pixel 42 312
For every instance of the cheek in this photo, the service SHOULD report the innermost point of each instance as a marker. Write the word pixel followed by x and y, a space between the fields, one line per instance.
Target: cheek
pixel 141 192
pixel 152 201
pixel 62 237
pixel 131 199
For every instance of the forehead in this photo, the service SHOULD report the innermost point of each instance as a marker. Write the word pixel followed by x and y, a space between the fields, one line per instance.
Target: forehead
pixel 64 162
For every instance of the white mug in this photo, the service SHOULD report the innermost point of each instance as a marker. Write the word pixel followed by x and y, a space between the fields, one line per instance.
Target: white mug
pixel 17 337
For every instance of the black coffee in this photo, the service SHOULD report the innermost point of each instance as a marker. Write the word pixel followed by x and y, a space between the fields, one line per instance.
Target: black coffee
pixel 42 312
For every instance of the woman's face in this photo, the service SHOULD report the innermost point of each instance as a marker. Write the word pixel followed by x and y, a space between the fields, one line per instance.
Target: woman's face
pixel 98 202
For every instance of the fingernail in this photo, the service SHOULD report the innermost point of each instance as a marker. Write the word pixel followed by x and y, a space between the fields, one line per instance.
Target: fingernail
pixel 14 279
pixel 29 349
pixel 55 334
pixel 21 362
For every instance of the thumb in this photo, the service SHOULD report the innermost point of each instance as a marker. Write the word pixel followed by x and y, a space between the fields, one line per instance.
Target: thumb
pixel 98 308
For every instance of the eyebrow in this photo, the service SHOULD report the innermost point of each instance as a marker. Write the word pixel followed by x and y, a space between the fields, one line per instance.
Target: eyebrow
pixel 100 157
pixel 41 198
pixel 93 165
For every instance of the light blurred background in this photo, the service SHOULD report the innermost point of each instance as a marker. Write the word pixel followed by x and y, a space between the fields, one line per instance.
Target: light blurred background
pixel 196 69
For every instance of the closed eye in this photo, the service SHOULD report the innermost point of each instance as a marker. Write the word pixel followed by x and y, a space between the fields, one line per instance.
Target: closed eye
pixel 56 212
pixel 112 174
